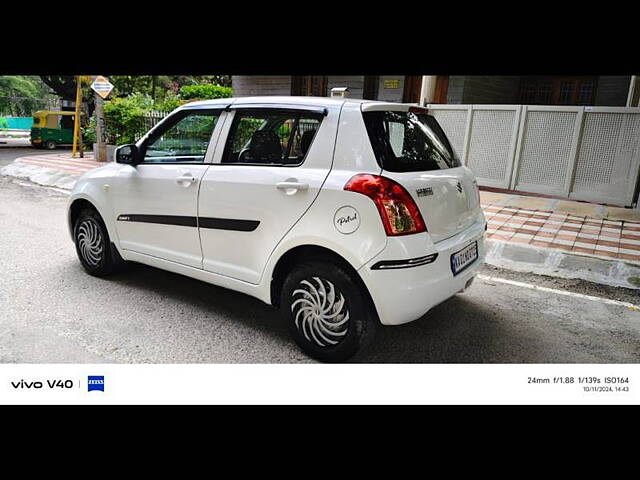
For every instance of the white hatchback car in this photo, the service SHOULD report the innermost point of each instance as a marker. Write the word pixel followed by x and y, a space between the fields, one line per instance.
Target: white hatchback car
pixel 344 213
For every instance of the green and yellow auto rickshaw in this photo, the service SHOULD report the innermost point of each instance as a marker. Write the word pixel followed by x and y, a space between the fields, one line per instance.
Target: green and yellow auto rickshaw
pixel 52 128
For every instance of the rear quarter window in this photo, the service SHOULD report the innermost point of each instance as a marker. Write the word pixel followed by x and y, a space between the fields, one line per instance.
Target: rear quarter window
pixel 408 141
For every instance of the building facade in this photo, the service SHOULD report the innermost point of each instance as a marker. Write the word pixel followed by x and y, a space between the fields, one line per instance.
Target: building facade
pixel 392 88
pixel 611 91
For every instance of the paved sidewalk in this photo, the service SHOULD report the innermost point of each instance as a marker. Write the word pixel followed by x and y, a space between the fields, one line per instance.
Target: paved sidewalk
pixel 63 162
pixel 578 228
pixel 571 207
pixel 53 170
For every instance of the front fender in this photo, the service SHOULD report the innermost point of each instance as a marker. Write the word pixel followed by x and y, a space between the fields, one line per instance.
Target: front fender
pixel 95 188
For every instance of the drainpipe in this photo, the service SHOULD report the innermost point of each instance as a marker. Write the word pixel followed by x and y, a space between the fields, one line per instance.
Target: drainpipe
pixel 428 89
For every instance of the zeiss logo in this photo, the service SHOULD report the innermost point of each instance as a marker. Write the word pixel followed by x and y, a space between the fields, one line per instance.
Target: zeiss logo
pixel 95 383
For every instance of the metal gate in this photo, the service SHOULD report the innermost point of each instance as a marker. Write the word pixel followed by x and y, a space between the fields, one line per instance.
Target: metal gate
pixel 582 153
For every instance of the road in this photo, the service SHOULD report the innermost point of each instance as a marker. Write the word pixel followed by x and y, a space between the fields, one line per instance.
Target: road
pixel 8 153
pixel 52 312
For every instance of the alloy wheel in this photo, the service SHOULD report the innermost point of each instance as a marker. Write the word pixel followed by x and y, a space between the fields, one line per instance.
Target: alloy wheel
pixel 320 312
pixel 90 244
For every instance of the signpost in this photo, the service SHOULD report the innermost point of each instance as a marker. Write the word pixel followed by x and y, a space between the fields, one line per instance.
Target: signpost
pixel 102 87
pixel 77 134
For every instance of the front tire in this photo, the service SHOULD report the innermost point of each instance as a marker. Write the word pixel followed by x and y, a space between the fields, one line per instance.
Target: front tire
pixel 51 145
pixel 328 314
pixel 92 244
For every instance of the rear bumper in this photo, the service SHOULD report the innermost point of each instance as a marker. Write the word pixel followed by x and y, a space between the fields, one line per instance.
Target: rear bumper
pixel 406 294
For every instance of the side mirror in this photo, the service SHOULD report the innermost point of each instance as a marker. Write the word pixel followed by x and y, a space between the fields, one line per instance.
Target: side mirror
pixel 127 154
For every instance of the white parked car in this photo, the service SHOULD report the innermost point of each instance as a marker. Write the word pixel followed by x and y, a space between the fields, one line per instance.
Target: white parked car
pixel 344 213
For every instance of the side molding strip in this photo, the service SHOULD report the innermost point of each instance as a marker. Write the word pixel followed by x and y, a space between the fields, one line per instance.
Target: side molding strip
pixel 186 221
pixel 228 224
pixel 161 219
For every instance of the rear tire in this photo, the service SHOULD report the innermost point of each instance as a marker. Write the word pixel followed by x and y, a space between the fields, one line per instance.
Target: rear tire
pixel 51 145
pixel 328 314
pixel 93 245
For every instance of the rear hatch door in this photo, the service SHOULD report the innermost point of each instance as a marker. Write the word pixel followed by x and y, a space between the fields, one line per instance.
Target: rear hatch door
pixel 413 151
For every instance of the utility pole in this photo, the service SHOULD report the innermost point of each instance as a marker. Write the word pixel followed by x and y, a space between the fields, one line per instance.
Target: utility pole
pixel 76 124
pixel 101 134
pixel 101 88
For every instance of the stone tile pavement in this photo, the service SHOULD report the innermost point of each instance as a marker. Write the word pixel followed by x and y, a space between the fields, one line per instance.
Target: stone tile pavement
pixel 579 234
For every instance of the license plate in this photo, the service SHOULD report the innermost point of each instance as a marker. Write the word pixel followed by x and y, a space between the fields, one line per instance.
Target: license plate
pixel 464 258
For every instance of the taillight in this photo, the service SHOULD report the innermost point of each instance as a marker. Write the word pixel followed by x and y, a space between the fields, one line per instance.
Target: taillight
pixel 398 211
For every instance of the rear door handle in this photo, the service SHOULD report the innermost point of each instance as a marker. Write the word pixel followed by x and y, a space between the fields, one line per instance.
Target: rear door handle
pixel 290 186
pixel 186 179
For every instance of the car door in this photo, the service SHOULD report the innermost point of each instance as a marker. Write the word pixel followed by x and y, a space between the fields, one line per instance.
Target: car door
pixel 156 201
pixel 273 164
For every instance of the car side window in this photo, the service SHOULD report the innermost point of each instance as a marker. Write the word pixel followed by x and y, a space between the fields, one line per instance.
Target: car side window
pixel 270 137
pixel 184 140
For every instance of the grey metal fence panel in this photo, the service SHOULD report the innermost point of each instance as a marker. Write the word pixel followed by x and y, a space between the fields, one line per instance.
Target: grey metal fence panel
pixel 546 149
pixel 492 141
pixel 454 122
pixel 582 153
pixel 608 157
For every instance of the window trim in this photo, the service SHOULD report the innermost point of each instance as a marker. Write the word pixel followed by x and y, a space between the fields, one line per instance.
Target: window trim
pixel 261 108
pixel 171 120
pixel 292 107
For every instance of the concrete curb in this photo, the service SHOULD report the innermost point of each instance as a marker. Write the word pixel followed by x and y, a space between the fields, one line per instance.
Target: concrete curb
pixel 555 263
pixel 42 176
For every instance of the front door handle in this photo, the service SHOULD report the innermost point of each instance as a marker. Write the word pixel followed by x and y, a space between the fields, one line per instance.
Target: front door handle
pixel 291 187
pixel 186 179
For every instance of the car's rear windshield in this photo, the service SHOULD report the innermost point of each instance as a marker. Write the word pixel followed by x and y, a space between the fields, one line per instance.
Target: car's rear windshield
pixel 408 141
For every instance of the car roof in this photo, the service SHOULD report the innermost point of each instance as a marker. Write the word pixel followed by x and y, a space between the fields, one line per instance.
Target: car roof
pixel 283 100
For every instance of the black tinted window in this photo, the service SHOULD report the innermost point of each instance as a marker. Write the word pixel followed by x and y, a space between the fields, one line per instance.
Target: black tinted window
pixel 408 142
pixel 271 137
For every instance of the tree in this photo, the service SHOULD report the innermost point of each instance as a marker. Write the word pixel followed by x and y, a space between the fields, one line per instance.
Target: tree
pixel 125 85
pixel 162 87
pixel 17 86
pixel 63 85
pixel 21 95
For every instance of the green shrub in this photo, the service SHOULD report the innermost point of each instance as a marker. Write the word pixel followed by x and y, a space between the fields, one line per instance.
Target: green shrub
pixel 203 92
pixel 89 132
pixel 168 104
pixel 4 123
pixel 124 117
